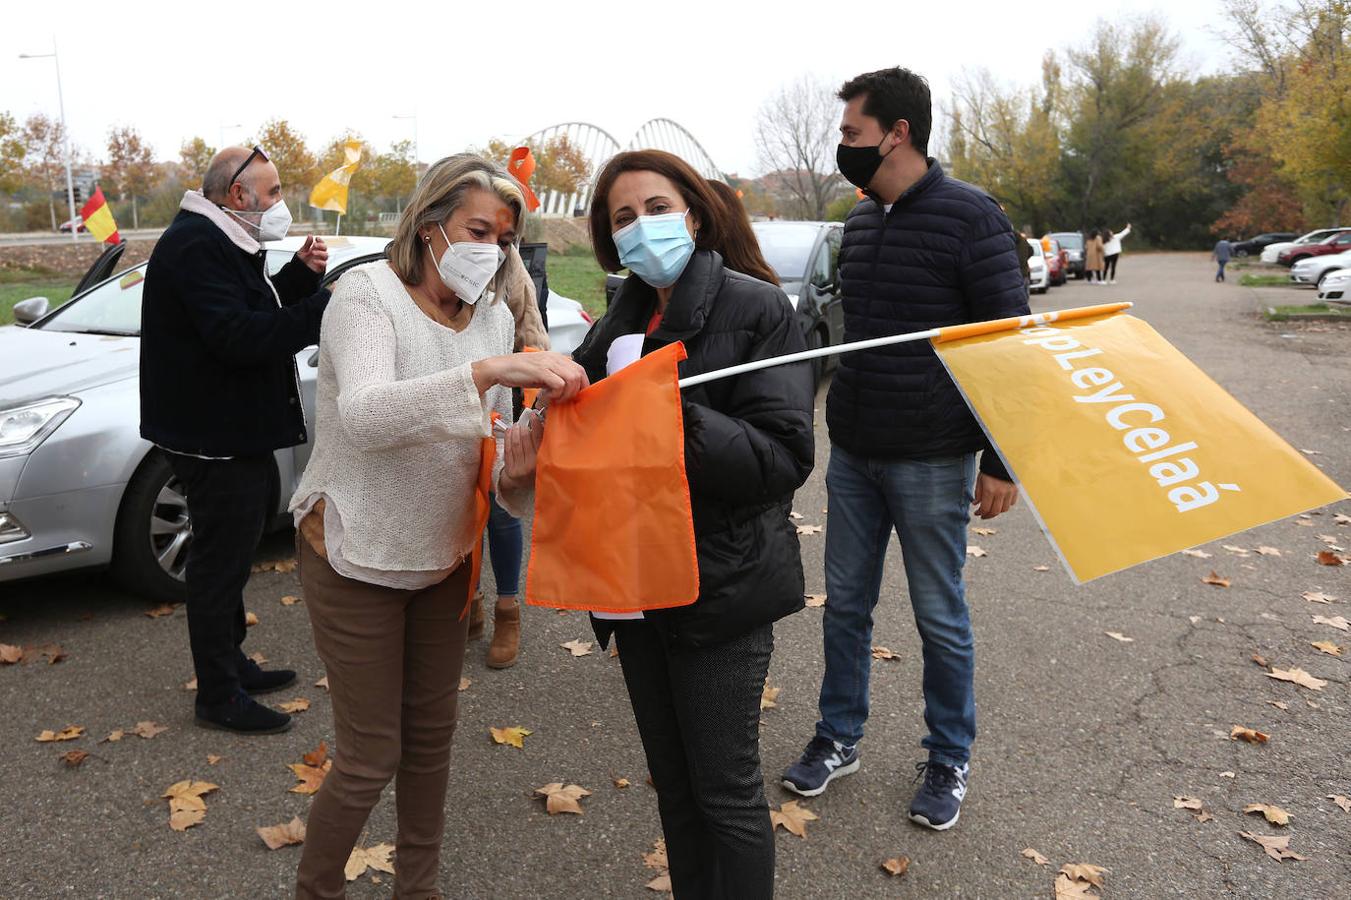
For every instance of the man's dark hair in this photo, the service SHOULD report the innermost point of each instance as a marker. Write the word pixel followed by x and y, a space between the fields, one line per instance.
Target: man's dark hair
pixel 890 95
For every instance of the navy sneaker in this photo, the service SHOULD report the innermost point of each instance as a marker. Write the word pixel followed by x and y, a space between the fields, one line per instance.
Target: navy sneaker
pixel 822 761
pixel 243 715
pixel 938 802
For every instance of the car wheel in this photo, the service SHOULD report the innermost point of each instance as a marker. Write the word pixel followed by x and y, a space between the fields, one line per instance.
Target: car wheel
pixel 1241 253
pixel 153 533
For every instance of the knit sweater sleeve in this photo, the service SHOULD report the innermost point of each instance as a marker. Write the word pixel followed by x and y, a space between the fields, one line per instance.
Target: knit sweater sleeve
pixel 376 410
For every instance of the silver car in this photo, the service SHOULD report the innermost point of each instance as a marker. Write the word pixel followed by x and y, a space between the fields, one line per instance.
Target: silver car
pixel 79 487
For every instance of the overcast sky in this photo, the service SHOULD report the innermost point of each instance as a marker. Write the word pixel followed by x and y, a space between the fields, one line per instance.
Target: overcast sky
pixel 174 70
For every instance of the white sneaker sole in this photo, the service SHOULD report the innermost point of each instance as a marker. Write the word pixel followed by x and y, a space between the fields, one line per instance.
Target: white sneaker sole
pixel 842 770
pixel 921 820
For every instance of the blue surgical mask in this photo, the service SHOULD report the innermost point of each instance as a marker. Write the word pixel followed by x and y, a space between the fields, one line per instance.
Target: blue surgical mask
pixel 655 248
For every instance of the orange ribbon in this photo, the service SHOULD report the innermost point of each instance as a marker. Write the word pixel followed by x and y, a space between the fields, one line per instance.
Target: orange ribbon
pixel 521 165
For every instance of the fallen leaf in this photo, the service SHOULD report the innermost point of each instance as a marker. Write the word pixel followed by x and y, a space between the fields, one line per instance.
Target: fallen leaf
pixel 656 857
pixel 1304 522
pixel 1193 619
pixel 792 818
pixel 113 736
pixel 975 551
pixel 1342 519
pixel 322 683
pixel 1299 677
pixel 896 866
pixel 1274 814
pixel 1215 579
pixel 1118 636
pixel 660 884
pixel 149 729
pixel 258 657
pixel 577 648
pixel 768 696
pixel 1076 881
pixel 284 835
pixel 795 515
pixel 1193 803
pixel 614 651
pixel 364 858
pixel 1260 660
pixel 1335 622
pixel 1268 551
pixel 1317 597
pixel 1327 647
pixel 1276 846
pixel 621 783
pixel 1239 551
pixel 1228 775
pixel 281 566
pixel 1310 452
pixel 190 685
pixel 183 819
pixel 515 736
pixel 809 529
pixel 1199 554
pixel 561 798
pixel 1328 558
pixel 298 705
pixel 212 759
pixel 1036 857
pixel 1279 704
pixel 464 683
pixel 309 778
pixel 10 654
pixel 250 619
pixel 69 733
pixel 290 600
pixel 186 806
pixel 816 601
pixel 316 756
pixel 1204 816
pixel 1041 568
pixel 1251 735
pixel 73 758
pixel 1343 802
pixel 164 609
pixel 883 653
pixel 983 532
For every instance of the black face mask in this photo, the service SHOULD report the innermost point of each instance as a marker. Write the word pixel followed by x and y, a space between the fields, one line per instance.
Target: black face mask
pixel 859 164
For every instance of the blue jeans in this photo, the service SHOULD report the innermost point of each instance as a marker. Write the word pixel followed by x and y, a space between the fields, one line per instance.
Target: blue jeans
pixel 927 502
pixel 504 549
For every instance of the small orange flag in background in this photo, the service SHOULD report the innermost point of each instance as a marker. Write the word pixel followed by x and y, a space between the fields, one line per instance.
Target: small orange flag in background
pixel 613 530
pixel 98 218
pixel 521 165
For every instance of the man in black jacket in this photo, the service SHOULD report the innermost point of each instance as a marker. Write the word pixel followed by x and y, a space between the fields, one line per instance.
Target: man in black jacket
pixel 922 250
pixel 219 393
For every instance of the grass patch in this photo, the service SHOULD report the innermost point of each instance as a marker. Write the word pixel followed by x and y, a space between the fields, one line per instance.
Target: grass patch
pixel 20 284
pixel 1266 281
pixel 576 275
pixel 1312 310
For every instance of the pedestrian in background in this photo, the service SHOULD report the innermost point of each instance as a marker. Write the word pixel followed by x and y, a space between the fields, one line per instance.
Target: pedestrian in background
pixel 219 393
pixel 1111 250
pixel 1094 258
pixel 1221 255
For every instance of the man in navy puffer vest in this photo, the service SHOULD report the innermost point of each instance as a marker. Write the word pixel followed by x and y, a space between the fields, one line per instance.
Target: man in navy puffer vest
pixel 922 250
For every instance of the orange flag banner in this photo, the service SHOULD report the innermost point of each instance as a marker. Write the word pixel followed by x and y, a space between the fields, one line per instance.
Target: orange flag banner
pixel 98 218
pixel 521 165
pixel 482 507
pixel 614 531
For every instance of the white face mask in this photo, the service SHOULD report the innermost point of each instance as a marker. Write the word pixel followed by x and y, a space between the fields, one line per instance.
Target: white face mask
pixel 273 223
pixel 466 267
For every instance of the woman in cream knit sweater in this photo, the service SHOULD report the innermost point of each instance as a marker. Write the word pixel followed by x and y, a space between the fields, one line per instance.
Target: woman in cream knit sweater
pixel 415 356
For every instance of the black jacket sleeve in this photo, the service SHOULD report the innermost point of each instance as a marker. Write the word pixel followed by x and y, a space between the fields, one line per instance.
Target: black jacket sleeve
pixel 992 280
pixel 231 330
pixel 759 447
pixel 295 282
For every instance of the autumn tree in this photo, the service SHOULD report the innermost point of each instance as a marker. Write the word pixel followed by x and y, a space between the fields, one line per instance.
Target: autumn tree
pixel 296 165
pixel 45 156
pixel 130 169
pixel 392 176
pixel 12 152
pixel 560 166
pixel 193 158
pixel 796 134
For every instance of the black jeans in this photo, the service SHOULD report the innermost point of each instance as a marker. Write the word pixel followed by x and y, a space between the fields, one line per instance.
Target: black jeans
pixel 228 500
pixel 698 712
pixel 1110 271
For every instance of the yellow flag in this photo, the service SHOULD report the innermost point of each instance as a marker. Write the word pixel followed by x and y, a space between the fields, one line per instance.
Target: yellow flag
pixel 1125 450
pixel 331 191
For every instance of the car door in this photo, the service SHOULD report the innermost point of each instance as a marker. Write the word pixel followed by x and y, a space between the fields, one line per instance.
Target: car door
pixel 832 309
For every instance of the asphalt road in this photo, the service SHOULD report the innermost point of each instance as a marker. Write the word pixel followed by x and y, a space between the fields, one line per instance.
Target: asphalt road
pixel 1084 741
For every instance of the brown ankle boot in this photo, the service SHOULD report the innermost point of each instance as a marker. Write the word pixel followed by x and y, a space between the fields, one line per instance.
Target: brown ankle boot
pixel 506 637
pixel 476 617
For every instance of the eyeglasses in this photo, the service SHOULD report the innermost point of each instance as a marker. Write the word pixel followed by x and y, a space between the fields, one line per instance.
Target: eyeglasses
pixel 258 153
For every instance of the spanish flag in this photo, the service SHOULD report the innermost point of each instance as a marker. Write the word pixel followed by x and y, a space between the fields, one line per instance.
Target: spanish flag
pixel 98 218
pixel 331 191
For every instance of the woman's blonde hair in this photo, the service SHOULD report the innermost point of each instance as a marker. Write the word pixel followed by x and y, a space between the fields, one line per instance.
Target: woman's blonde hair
pixel 437 195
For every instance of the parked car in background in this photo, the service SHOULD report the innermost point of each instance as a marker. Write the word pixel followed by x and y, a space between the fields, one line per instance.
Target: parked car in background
pixel 1271 252
pixel 1313 269
pixel 1038 271
pixel 64 227
pixel 1334 243
pixel 1335 288
pixel 1057 260
pixel 78 486
pixel 1073 244
pixel 1255 245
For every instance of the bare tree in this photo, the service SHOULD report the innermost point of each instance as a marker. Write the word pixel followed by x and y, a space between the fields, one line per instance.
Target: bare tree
pixel 44 140
pixel 795 137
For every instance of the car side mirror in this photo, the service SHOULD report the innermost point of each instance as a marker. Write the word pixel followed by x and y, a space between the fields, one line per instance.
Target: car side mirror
pixel 26 312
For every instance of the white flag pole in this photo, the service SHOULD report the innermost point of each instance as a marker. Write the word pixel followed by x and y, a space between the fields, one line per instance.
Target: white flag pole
pixel 692 380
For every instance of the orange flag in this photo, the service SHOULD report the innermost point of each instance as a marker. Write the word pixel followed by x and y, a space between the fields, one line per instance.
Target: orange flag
pixel 482 507
pixel 613 530
pixel 521 165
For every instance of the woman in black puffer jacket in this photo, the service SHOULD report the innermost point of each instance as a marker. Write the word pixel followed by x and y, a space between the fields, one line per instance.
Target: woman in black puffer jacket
pixel 695 674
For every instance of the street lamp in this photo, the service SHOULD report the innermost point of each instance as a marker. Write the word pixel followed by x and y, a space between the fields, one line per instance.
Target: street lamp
pixel 61 105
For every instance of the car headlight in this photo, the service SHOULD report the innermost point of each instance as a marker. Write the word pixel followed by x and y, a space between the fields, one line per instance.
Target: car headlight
pixel 24 428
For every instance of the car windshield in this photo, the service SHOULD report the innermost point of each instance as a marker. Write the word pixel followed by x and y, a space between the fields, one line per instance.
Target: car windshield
pixel 1070 240
pixel 114 307
pixel 786 247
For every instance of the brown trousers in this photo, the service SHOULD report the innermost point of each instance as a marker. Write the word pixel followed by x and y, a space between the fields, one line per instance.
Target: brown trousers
pixel 394 659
